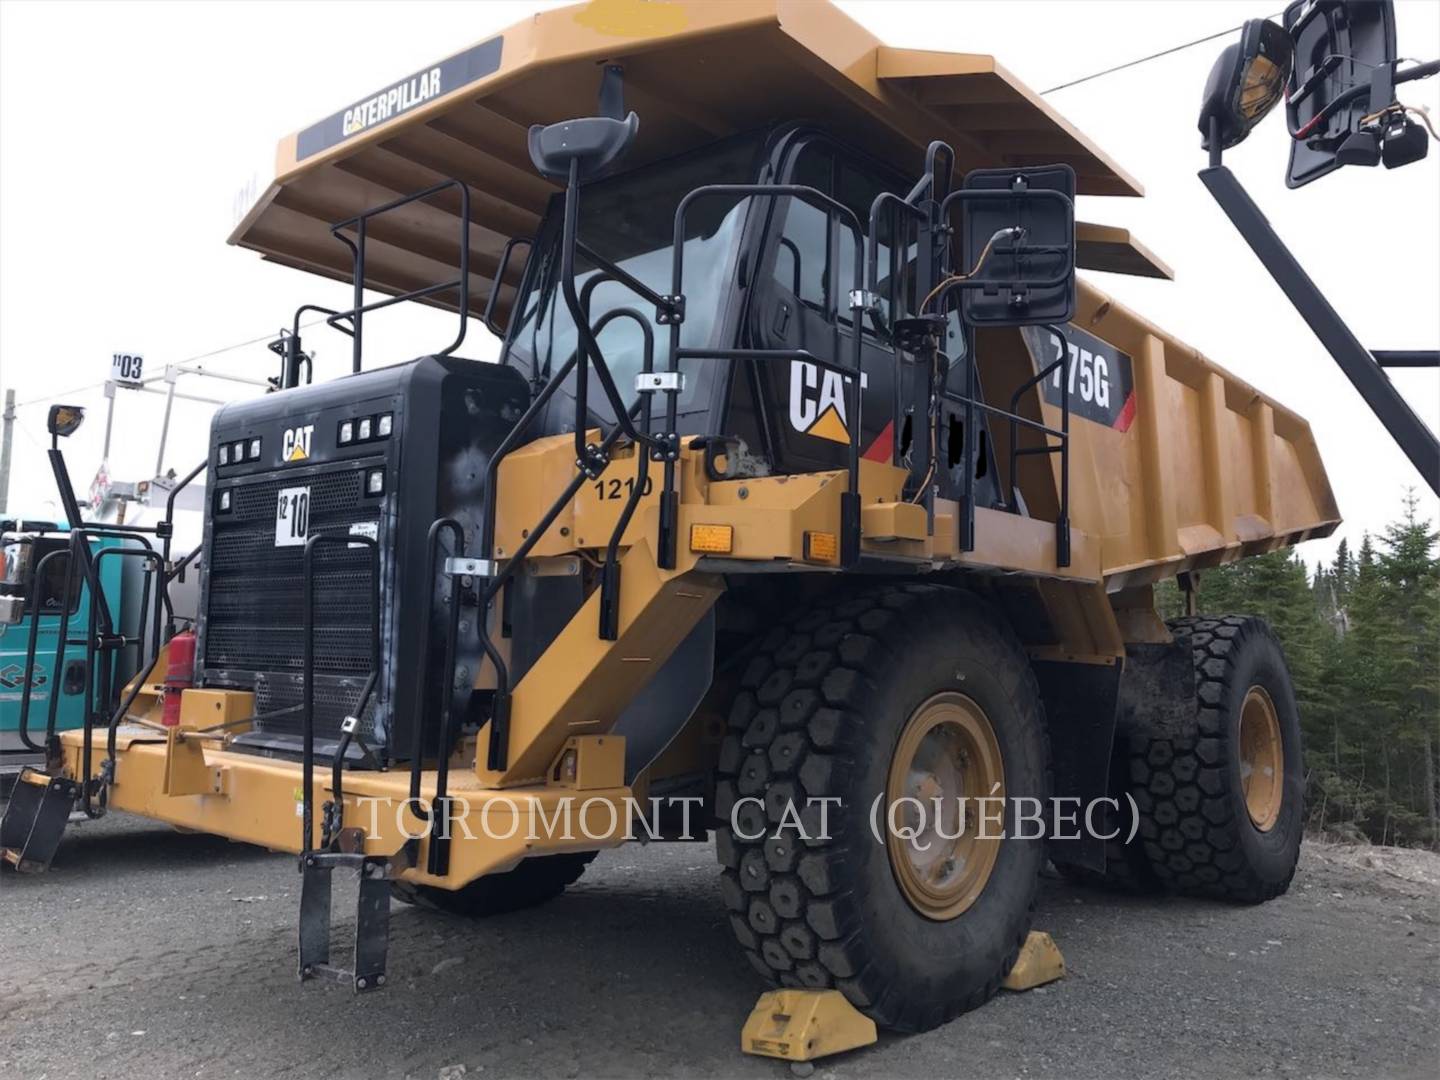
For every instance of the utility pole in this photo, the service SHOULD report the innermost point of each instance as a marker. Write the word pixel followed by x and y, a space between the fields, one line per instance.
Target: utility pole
pixel 8 433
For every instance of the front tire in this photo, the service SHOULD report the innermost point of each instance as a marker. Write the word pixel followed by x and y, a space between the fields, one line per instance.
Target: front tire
pixel 1222 808
pixel 828 701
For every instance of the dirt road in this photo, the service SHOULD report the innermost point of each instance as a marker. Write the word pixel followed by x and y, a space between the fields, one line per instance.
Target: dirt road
pixel 147 952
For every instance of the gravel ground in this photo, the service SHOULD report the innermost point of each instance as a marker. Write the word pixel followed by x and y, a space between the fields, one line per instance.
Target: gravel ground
pixel 148 952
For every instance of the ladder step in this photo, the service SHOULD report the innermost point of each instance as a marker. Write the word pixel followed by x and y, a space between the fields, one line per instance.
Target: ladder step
pixel 372 919
pixel 35 819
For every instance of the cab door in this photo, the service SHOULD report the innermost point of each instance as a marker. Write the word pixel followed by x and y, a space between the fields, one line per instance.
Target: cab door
pixel 796 409
pixel 17 665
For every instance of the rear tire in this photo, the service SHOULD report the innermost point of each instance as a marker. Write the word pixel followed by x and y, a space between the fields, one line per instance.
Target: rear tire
pixel 823 708
pixel 534 882
pixel 1215 818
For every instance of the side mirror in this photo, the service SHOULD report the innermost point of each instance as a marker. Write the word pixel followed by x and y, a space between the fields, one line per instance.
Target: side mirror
pixel 14 580
pixel 592 143
pixel 64 420
pixel 1344 71
pixel 1017 246
pixel 1247 81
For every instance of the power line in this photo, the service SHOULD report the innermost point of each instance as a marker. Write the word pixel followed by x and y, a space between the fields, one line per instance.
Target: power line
pixel 185 360
pixel 63 394
pixel 1152 56
pixel 242 344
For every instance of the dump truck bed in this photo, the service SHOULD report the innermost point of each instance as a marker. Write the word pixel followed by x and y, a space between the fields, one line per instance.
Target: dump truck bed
pixel 1190 466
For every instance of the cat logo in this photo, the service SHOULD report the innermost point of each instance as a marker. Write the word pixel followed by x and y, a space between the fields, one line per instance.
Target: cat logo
pixel 295 446
pixel 817 401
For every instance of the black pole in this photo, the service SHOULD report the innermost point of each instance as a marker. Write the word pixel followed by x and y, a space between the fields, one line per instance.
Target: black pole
pixel 1408 430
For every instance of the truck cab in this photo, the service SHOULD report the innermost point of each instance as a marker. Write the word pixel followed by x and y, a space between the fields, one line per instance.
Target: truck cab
pixel 763 278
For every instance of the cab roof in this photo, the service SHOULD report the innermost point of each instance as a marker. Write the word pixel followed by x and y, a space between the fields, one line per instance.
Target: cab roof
pixel 694 71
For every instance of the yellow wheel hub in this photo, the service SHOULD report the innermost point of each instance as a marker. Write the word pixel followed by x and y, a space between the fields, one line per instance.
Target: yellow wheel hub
pixel 942 856
pixel 1262 759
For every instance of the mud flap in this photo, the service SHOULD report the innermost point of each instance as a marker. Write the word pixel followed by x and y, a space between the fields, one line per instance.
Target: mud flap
pixel 35 819
pixel 372 919
pixel 1080 710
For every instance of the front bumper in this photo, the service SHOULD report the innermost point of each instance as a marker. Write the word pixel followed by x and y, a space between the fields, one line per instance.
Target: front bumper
pixel 257 800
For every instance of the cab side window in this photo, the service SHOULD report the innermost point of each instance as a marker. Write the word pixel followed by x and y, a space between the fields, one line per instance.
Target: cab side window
pixel 52 581
pixel 802 263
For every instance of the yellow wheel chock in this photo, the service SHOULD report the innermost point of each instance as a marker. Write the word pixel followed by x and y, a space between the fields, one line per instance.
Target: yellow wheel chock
pixel 1039 963
pixel 801 1025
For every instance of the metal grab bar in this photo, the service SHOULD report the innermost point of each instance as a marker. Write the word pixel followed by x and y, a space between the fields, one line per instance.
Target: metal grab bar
pixel 32 645
pixel 100 644
pixel 1062 520
pixel 357 313
pixel 498 754
pixel 488 318
pixel 333 813
pixel 588 458
pixel 610 572
pixel 165 531
pixel 872 282
pixel 307 719
pixel 439 861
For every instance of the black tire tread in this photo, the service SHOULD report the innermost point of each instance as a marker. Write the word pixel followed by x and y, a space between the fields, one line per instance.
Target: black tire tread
pixel 790 903
pixel 1182 788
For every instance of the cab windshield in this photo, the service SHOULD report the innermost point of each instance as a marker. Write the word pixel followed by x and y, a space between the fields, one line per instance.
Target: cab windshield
pixel 630 220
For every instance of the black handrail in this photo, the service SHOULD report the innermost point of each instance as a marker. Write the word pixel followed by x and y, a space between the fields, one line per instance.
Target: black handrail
pixel 872 283
pixel 169 520
pixel 438 863
pixel 79 539
pixel 333 813
pixel 610 572
pixel 307 719
pixel 32 645
pixel 103 643
pixel 488 318
pixel 356 314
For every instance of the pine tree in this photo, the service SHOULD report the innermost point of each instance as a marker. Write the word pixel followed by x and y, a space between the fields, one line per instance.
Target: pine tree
pixel 1362 638
pixel 1410 585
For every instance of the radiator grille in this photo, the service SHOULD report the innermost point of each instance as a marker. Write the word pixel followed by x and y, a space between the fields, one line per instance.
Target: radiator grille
pixel 255 607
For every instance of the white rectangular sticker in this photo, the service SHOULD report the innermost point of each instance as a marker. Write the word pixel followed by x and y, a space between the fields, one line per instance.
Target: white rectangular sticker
pixel 292 517
pixel 364 528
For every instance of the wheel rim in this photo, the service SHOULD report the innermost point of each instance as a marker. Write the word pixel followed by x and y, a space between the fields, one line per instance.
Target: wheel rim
pixel 947 751
pixel 1262 759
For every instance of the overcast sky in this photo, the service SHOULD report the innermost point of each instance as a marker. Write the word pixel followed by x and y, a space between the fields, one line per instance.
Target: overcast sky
pixel 126 130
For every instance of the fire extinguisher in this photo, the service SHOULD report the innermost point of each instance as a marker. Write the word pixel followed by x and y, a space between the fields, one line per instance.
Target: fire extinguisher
pixel 179 675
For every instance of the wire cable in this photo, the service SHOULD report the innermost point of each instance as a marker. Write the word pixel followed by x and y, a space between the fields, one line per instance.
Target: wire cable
pixel 44 399
pixel 1152 56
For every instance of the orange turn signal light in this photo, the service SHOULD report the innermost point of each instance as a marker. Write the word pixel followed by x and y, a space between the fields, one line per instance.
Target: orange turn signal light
pixel 712 539
pixel 822 547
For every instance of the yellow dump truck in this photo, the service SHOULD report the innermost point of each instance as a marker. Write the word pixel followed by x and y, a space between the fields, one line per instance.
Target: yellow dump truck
pixel 814 501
